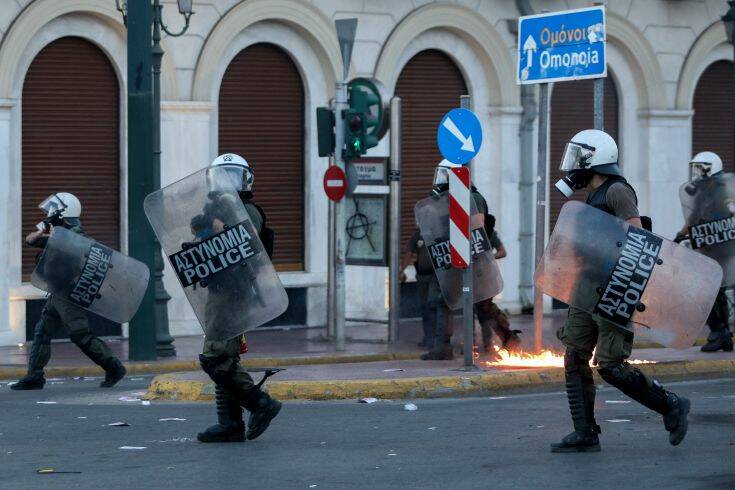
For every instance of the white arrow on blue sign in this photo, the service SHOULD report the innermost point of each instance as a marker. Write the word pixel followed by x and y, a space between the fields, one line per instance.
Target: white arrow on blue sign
pixel 557 46
pixel 459 136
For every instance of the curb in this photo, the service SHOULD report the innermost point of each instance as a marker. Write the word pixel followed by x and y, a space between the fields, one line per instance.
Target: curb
pixel 159 367
pixel 173 387
pixel 135 368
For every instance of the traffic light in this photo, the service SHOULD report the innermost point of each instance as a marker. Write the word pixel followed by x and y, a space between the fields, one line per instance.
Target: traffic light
pixel 353 134
pixel 360 123
pixel 325 130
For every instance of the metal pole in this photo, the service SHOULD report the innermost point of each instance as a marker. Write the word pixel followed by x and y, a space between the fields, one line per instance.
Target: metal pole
pixel 141 245
pixel 543 128
pixel 527 184
pixel 394 311
pixel 330 267
pixel 164 340
pixel 340 104
pixel 468 313
pixel 599 89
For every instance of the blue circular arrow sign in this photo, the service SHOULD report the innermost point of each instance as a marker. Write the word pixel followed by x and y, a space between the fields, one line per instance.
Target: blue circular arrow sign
pixel 459 136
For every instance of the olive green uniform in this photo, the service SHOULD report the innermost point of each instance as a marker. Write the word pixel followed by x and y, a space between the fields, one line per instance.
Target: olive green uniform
pixel 222 357
pixel 58 313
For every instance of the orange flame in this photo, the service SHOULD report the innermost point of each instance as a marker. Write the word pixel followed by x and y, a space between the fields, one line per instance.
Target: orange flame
pixel 545 358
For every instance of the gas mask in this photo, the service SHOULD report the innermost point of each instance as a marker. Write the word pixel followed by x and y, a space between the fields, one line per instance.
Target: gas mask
pixel 578 179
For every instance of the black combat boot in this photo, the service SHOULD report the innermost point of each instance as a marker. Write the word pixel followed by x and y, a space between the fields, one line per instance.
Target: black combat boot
pixel 512 341
pixel 262 410
pixel 718 340
pixel 651 394
pixel 230 427
pixel 114 372
pixel 581 396
pixel 442 352
pixel 29 382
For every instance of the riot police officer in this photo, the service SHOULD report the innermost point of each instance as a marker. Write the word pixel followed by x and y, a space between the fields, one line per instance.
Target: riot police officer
pixel 417 254
pixel 591 160
pixel 63 210
pixel 220 359
pixel 440 312
pixel 703 166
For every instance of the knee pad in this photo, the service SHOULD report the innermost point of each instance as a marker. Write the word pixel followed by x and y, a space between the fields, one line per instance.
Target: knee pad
pixel 616 374
pixel 82 339
pixel 208 364
pixel 218 371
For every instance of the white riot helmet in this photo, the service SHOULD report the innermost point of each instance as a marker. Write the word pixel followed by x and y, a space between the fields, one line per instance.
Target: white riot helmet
pixel 703 165
pixel 235 169
pixel 589 152
pixel 441 173
pixel 62 205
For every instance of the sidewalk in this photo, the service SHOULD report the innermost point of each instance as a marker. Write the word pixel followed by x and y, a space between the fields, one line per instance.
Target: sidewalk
pixel 365 342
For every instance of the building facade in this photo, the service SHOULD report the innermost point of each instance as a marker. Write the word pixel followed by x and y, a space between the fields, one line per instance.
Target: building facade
pixel 248 76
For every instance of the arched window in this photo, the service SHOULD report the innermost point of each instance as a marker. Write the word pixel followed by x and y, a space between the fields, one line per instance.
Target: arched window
pixel 429 86
pixel 713 105
pixel 71 138
pixel 261 117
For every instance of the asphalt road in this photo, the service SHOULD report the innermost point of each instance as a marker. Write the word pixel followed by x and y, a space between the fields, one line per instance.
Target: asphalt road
pixel 499 442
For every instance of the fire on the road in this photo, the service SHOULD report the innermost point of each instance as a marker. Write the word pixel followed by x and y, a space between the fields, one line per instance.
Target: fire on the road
pixel 545 358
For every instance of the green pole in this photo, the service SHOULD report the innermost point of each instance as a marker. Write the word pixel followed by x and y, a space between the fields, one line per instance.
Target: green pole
pixel 141 174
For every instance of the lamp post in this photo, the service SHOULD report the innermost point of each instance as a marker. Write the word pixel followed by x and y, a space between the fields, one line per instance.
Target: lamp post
pixel 164 341
pixel 729 20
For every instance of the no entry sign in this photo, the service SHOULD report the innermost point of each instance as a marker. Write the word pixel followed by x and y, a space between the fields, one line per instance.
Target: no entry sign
pixel 335 183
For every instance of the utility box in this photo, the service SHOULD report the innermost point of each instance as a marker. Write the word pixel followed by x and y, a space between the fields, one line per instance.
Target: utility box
pixel 366 215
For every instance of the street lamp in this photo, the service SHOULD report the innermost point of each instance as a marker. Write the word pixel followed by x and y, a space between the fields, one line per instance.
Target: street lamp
pixel 164 341
pixel 185 9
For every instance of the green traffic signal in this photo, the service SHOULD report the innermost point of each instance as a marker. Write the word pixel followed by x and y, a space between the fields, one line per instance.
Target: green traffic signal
pixel 360 123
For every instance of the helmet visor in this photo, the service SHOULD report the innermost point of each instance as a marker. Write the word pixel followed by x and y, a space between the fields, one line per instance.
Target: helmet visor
pixel 575 157
pixel 52 204
pixel 441 176
pixel 227 177
pixel 699 170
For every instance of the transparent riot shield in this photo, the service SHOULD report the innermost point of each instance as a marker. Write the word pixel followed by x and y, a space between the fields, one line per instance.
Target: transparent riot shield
pixel 432 215
pixel 216 253
pixel 628 276
pixel 709 212
pixel 90 275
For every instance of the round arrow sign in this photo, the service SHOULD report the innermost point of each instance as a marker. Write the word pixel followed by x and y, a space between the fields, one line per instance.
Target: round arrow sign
pixel 335 183
pixel 459 136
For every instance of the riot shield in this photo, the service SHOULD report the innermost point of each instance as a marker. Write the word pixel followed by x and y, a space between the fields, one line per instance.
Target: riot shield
pixel 216 253
pixel 709 212
pixel 628 276
pixel 91 275
pixel 432 215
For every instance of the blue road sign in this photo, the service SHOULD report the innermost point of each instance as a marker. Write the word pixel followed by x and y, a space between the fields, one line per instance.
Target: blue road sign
pixel 459 136
pixel 560 46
